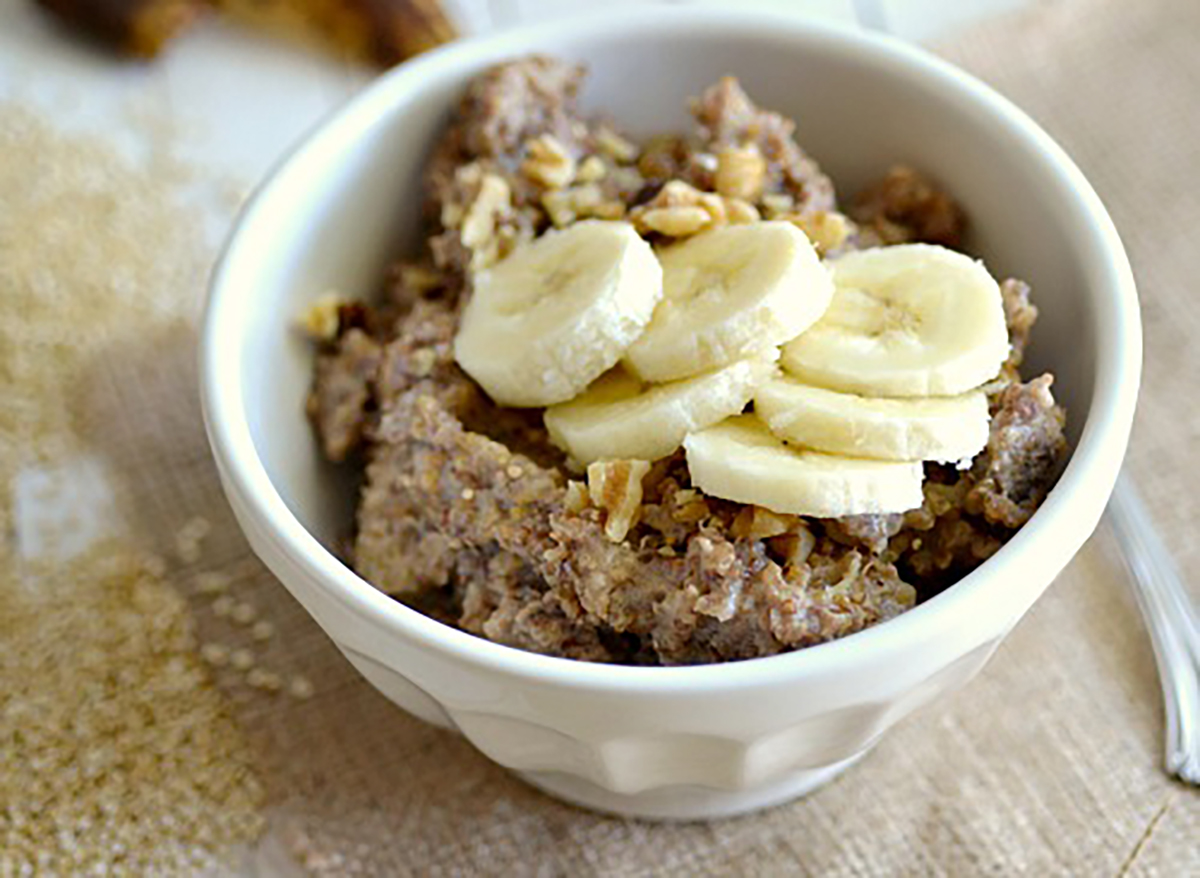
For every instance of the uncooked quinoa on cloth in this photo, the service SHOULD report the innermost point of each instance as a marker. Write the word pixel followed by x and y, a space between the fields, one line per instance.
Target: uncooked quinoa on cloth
pixel 472 515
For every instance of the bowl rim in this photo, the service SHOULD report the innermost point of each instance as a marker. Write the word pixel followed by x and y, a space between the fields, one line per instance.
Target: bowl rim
pixel 1047 541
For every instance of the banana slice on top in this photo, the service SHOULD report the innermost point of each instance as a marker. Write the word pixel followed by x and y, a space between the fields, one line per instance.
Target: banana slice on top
pixel 728 294
pixel 907 320
pixel 618 417
pixel 943 429
pixel 555 315
pixel 740 459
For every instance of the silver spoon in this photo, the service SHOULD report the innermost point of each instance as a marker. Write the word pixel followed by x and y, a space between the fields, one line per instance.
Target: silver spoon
pixel 1171 620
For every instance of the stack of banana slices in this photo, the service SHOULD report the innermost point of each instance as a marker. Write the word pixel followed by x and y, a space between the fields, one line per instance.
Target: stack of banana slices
pixel 859 369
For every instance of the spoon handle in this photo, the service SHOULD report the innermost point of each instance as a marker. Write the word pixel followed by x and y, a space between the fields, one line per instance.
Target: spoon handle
pixel 1171 620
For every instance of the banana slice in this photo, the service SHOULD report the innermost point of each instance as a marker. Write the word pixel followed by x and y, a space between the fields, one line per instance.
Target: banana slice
pixel 555 315
pixel 908 320
pixel 617 418
pixel 945 429
pixel 728 294
pixel 739 459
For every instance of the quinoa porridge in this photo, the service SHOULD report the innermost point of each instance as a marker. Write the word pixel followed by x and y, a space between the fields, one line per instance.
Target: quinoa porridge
pixel 614 503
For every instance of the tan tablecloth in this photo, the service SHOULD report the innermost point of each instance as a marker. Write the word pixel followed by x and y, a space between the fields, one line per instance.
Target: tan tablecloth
pixel 1049 763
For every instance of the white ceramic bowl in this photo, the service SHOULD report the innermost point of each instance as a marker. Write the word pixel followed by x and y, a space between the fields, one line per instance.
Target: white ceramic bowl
pixel 666 742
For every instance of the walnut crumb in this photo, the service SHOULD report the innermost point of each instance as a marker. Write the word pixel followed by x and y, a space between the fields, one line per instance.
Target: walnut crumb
pixel 320 320
pixel 616 487
pixel 827 230
pixel 794 547
pixel 678 210
pixel 615 146
pixel 576 499
pixel 756 523
pixel 565 206
pixel 777 204
pixel 739 211
pixel 485 224
pixel 741 172
pixel 548 163
pixel 591 170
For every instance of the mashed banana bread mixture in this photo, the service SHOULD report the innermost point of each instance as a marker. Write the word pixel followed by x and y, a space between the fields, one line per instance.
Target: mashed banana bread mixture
pixel 476 514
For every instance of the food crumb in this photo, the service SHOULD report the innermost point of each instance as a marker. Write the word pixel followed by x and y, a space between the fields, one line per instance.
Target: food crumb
pixel 242 659
pixel 262 630
pixel 321 319
pixel 212 583
pixel 300 687
pixel 189 539
pixel 154 565
pixel 243 613
pixel 263 679
pixel 216 654
pixel 222 606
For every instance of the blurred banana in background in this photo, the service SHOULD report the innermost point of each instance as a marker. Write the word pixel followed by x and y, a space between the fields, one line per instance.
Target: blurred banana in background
pixel 380 32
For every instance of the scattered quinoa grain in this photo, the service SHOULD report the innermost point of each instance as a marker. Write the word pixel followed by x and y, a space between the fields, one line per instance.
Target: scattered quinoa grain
pixel 212 582
pixel 264 679
pixel 154 565
pixel 300 687
pixel 242 659
pixel 243 613
pixel 262 630
pixel 222 606
pixel 216 654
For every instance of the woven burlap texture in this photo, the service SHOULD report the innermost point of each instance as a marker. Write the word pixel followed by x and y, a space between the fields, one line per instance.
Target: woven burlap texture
pixel 1048 763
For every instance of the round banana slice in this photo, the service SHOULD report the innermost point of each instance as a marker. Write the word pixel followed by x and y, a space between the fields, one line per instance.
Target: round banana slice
pixel 728 294
pixel 740 459
pixel 908 320
pixel 555 315
pixel 619 418
pixel 945 429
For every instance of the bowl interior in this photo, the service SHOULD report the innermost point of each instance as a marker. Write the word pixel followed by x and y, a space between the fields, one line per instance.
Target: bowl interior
pixel 347 203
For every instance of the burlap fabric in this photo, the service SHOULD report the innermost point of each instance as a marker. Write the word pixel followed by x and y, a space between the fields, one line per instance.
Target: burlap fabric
pixel 1049 763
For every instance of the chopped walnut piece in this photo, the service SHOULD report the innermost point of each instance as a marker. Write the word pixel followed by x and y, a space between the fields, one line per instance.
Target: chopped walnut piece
pixel 756 523
pixel 616 487
pixel 320 319
pixel 419 278
pixel 479 224
pixel 679 209
pixel 616 147
pixel 577 498
pixel 777 204
pixel 674 222
pixel 485 225
pixel 591 170
pixel 827 230
pixel 565 206
pixel 739 211
pixel 741 172
pixel 794 547
pixel 548 162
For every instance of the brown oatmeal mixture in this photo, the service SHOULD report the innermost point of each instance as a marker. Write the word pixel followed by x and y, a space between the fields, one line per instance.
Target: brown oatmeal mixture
pixel 469 513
